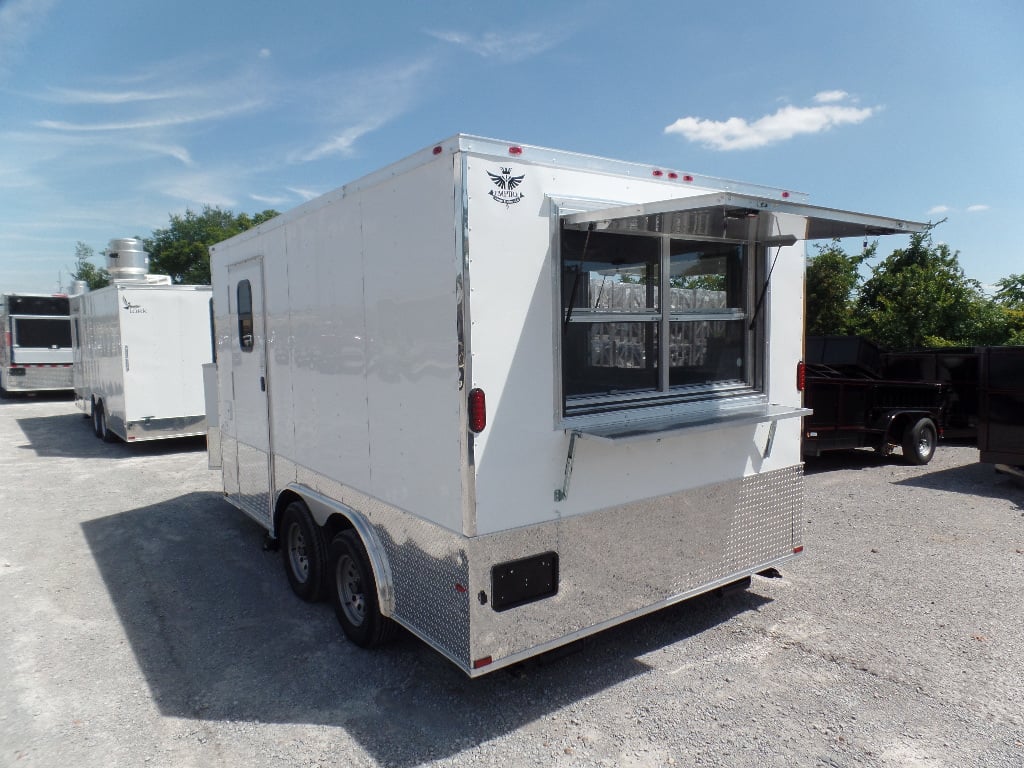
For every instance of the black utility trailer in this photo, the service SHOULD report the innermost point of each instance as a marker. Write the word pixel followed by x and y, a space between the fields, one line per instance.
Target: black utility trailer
pixel 855 407
pixel 1001 408
pixel 956 366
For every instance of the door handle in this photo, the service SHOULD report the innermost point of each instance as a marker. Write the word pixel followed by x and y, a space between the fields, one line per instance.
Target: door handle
pixel 263 383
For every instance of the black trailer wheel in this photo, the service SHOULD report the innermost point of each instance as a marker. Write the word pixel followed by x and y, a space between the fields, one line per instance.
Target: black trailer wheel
pixel 354 593
pixel 303 551
pixel 99 424
pixel 919 442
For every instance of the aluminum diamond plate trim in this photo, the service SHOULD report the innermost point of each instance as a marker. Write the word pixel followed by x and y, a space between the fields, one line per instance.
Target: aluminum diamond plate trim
pixel 766 524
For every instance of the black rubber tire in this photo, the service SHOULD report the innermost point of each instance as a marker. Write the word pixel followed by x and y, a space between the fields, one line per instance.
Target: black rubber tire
pixel 354 593
pixel 919 442
pixel 303 552
pixel 100 425
pixel 97 419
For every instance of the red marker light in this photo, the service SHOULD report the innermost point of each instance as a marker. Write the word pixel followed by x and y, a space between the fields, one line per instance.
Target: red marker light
pixel 477 663
pixel 801 376
pixel 438 150
pixel 477 410
pixel 785 195
pixel 673 175
pixel 687 177
pixel 515 151
pixel 656 172
pixel 798 550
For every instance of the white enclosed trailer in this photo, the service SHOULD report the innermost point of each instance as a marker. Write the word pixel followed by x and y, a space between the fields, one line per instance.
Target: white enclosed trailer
pixel 36 353
pixel 507 396
pixel 139 346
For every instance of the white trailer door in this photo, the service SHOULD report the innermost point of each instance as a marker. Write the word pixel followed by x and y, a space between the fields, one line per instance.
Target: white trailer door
pixel 250 386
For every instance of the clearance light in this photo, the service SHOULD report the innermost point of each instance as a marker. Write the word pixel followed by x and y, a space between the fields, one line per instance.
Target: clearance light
pixel 515 151
pixel 657 173
pixel 460 589
pixel 785 195
pixel 438 150
pixel 477 663
pixel 687 177
pixel 798 550
pixel 477 410
pixel 673 175
pixel 801 376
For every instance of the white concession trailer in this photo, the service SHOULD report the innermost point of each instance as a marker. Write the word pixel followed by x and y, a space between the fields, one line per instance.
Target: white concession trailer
pixel 139 345
pixel 507 396
pixel 36 352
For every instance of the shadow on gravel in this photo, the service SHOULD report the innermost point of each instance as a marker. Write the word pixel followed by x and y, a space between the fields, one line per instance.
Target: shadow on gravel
pixel 972 479
pixel 70 435
pixel 219 636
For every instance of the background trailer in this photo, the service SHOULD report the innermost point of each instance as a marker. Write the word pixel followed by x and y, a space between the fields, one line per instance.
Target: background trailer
pixel 36 352
pixel 507 396
pixel 140 344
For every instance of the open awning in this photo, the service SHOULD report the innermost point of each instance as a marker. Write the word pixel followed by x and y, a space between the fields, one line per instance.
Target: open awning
pixel 734 216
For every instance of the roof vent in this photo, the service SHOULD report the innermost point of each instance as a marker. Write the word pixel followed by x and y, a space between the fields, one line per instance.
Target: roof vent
pixel 126 260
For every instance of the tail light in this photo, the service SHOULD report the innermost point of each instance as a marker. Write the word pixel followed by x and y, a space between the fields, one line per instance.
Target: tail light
pixel 477 410
pixel 801 376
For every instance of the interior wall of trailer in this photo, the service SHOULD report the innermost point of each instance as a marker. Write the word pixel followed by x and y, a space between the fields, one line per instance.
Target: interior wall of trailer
pixel 521 456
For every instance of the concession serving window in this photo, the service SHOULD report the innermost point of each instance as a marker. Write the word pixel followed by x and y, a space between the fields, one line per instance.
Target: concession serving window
pixel 662 308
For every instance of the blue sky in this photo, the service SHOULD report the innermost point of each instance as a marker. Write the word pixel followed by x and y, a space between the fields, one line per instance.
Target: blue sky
pixel 115 114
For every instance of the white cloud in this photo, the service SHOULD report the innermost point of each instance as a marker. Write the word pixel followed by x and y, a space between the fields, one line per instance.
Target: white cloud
pixel 72 96
pixel 162 121
pixel 830 97
pixel 782 125
pixel 977 208
pixel 18 22
pixel 343 143
pixel 305 194
pixel 264 53
pixel 266 200
pixel 938 209
pixel 365 101
pixel 508 47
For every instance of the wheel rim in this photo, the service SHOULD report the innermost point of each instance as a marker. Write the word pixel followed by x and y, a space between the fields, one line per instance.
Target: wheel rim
pixel 350 591
pixel 924 443
pixel 298 560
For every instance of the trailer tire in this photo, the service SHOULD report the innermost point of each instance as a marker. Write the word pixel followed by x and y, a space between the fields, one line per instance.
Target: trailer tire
pixel 303 552
pixel 919 442
pixel 99 424
pixel 354 593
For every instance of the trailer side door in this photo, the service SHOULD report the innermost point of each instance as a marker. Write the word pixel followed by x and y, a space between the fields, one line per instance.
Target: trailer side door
pixel 250 387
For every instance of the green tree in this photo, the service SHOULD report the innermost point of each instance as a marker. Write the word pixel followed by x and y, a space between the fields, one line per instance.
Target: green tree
pixel 919 296
pixel 182 249
pixel 832 281
pixel 94 277
pixel 1010 291
pixel 1010 297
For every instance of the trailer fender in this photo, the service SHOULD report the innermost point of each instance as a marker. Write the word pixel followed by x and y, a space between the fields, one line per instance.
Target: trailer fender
pixel 896 422
pixel 323 509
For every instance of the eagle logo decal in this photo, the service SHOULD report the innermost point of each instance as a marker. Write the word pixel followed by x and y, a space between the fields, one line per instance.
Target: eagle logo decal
pixel 132 309
pixel 507 185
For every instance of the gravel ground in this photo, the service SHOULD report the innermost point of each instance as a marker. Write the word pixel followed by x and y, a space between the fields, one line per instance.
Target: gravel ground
pixel 142 625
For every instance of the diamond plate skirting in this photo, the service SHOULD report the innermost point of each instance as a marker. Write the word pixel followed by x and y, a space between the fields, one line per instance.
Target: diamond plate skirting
pixel 614 564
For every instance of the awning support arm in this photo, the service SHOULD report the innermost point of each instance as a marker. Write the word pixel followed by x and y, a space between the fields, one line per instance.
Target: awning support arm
pixel 561 494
